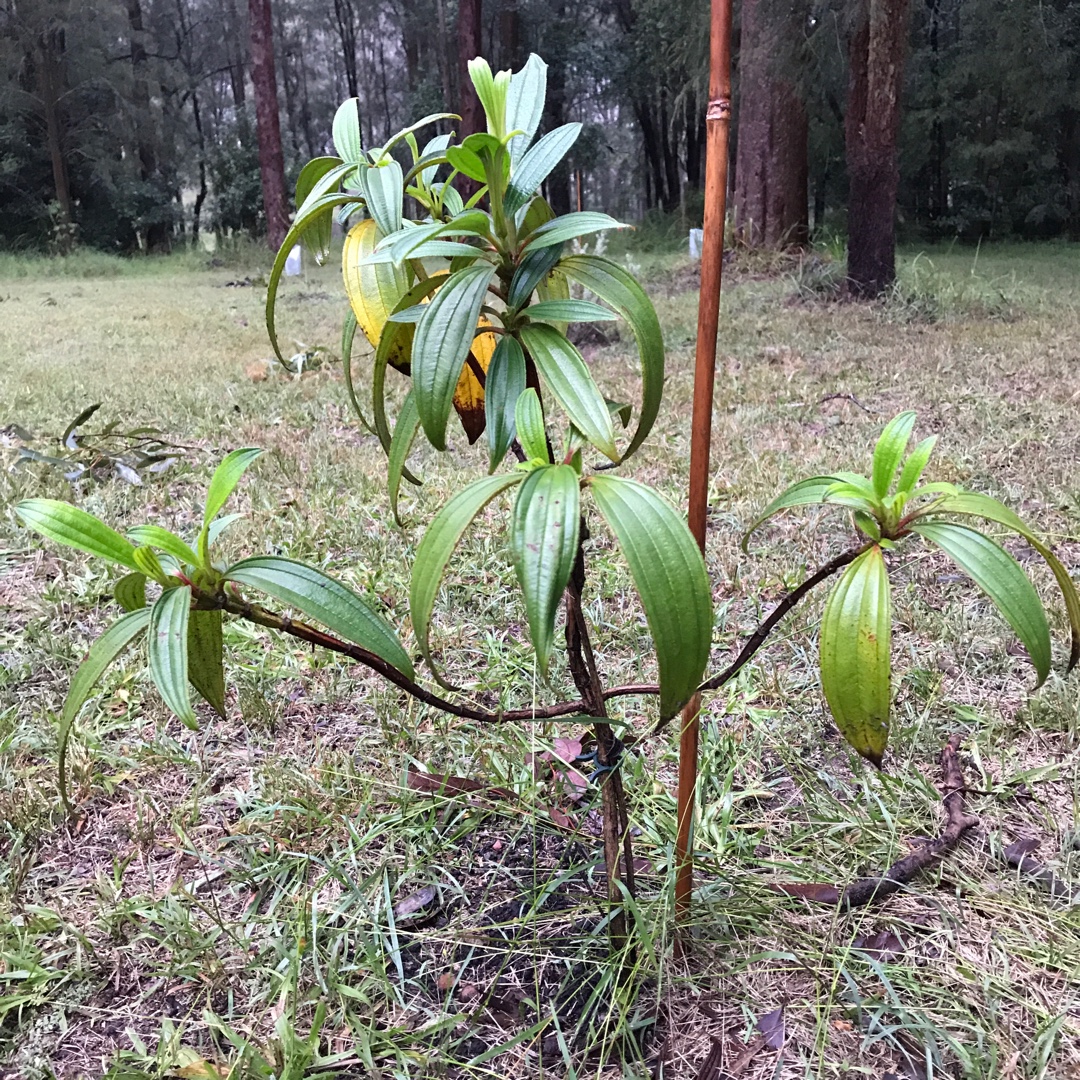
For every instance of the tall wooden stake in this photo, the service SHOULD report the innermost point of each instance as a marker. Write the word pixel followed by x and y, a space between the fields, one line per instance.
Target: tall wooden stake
pixel 717 123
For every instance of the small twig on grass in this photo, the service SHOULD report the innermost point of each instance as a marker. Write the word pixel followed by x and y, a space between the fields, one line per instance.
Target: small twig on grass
pixel 847 397
pixel 903 871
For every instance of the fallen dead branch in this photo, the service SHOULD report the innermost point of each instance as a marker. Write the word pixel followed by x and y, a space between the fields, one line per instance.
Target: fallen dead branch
pixel 903 871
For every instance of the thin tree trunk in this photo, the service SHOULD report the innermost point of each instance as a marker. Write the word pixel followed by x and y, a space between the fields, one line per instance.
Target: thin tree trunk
pixel 268 122
pixel 157 232
pixel 49 85
pixel 200 198
pixel 235 53
pixel 877 52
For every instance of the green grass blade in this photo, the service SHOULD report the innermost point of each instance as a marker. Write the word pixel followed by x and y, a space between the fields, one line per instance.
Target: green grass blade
pixel 670 577
pixel 101 655
pixel 442 536
pixel 320 597
pixel 168 651
pixel 854 648
pixel 1000 576
pixel 75 528
pixel 890 451
pixel 544 541
pixel 567 375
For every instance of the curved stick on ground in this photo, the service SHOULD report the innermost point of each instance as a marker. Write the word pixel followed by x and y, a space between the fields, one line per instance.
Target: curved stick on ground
pixel 903 871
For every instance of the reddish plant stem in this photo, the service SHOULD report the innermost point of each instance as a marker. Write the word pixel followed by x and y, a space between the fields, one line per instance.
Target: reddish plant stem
pixel 586 677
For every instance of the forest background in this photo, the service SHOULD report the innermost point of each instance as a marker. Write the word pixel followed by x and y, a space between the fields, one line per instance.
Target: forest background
pixel 130 125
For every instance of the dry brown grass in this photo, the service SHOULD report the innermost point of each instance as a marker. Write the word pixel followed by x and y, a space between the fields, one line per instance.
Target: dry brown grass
pixel 246 870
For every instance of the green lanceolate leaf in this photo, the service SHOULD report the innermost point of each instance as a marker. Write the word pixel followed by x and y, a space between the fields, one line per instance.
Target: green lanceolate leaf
pixel 916 462
pixel 442 536
pixel 525 104
pixel 999 575
pixel 222 484
pixel 157 537
pixel 308 217
pixel 531 271
pixel 130 592
pixel 536 164
pixel 325 600
pixel 400 444
pixel 317 237
pixel 206 668
pixel 855 643
pixel 565 372
pixel 492 91
pixel 670 577
pixel 432 157
pixel 220 524
pixel 972 504
pixel 567 311
pixel 384 188
pixel 570 227
pixel 889 451
pixel 612 284
pixel 346 131
pixel 75 528
pixel 529 424
pixel 348 335
pixel 814 489
pixel 544 541
pixel 101 655
pixel 168 651
pixel 395 344
pixel 505 383
pixel 443 338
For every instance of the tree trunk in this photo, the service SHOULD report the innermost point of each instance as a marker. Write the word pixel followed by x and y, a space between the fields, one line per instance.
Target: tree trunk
pixel 1070 163
pixel 877 52
pixel 268 123
pixel 469 23
pixel 557 185
pixel 234 51
pixel 49 87
pixel 157 232
pixel 771 164
pixel 345 24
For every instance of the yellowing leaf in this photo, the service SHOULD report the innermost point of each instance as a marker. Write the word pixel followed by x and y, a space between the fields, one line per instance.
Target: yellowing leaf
pixel 373 288
pixel 469 394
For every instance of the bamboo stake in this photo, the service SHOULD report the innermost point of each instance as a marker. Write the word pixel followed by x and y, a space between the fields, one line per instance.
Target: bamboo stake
pixel 717 124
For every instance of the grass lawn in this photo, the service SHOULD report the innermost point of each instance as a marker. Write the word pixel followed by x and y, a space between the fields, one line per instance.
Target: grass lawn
pixel 270 896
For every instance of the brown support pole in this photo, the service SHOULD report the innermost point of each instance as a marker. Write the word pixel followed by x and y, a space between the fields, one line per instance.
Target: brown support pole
pixel 717 123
